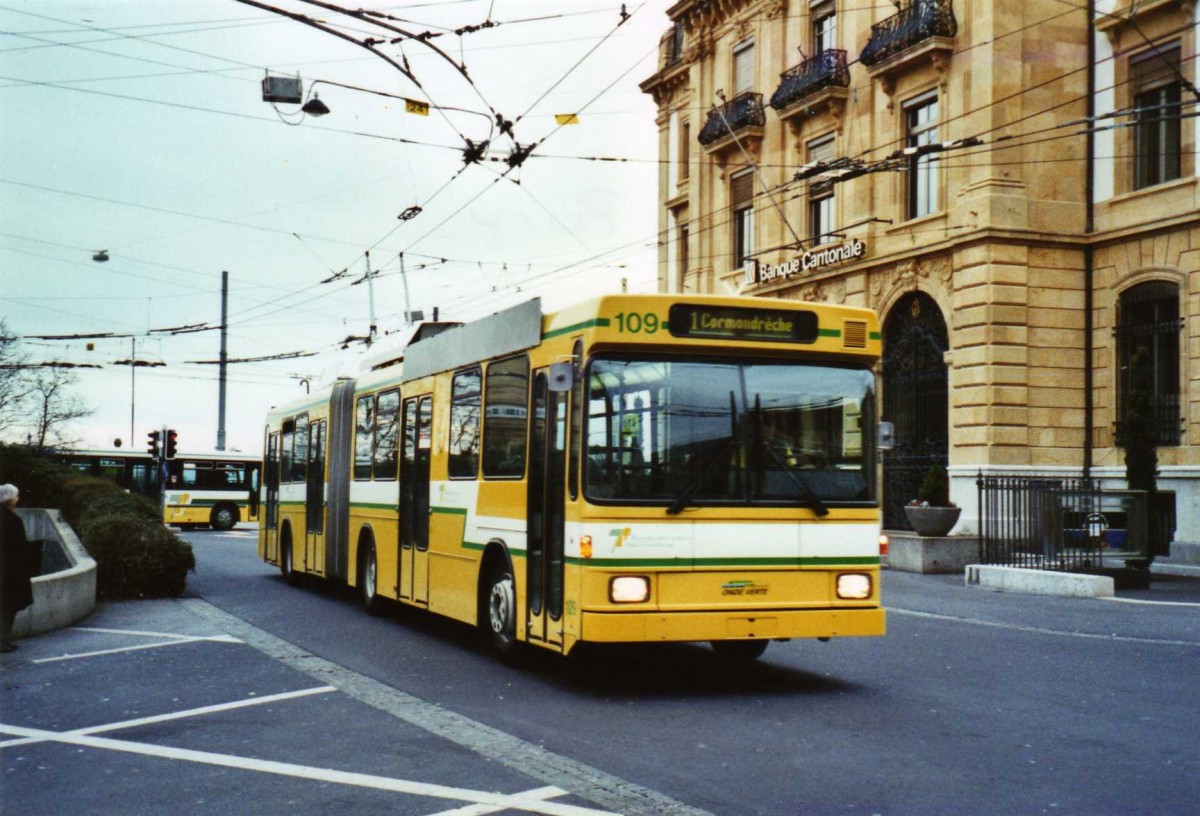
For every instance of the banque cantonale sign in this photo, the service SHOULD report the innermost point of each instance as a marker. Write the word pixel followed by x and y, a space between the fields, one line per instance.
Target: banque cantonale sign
pixel 813 259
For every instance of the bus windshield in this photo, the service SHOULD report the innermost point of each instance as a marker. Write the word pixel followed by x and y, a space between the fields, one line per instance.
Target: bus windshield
pixel 687 432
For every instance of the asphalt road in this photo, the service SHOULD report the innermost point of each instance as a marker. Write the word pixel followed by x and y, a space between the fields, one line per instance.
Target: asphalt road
pixel 251 696
pixel 975 702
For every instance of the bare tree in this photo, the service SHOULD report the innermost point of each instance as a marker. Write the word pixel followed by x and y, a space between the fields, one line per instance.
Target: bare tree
pixel 14 382
pixel 52 407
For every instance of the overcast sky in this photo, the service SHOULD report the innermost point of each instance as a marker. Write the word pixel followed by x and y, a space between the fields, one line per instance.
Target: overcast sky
pixel 138 127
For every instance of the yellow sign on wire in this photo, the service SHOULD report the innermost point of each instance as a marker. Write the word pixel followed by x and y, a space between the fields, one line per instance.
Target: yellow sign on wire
pixel 566 118
pixel 416 106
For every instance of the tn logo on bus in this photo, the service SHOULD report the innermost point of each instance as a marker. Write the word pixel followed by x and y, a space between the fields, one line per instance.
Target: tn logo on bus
pixel 744 588
pixel 622 536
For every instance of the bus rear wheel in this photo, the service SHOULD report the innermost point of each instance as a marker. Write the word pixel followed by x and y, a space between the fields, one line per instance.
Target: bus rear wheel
pixel 285 560
pixel 739 651
pixel 368 579
pixel 224 517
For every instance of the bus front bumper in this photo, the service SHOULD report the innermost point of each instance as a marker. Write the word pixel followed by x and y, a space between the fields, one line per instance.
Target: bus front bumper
pixel 649 627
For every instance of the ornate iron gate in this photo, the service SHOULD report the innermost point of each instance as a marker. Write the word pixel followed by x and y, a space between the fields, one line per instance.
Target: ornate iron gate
pixel 915 398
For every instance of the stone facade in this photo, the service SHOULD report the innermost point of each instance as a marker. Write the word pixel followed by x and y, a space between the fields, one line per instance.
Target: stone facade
pixel 1029 229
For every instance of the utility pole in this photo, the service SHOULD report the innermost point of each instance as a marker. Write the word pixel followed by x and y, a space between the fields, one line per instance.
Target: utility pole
pixel 132 386
pixel 370 298
pixel 223 361
pixel 408 321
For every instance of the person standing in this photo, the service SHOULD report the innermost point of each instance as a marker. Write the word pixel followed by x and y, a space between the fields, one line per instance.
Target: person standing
pixel 16 591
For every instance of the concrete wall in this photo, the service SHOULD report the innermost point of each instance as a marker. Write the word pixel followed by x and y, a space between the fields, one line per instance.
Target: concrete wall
pixel 66 595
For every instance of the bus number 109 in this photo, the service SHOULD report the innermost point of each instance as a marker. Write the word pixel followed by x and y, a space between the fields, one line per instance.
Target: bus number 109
pixel 637 323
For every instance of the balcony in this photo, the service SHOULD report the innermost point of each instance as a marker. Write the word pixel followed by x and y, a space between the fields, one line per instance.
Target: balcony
pixel 922 23
pixel 738 121
pixel 819 80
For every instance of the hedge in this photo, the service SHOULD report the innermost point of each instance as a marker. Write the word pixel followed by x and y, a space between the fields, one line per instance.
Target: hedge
pixel 136 555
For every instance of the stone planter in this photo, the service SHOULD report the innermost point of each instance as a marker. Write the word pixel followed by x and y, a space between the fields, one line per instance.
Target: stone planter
pixel 932 521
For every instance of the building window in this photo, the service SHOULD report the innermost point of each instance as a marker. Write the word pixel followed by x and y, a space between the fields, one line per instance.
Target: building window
pixel 1149 318
pixel 741 197
pixel 824 23
pixel 682 254
pixel 921 118
pixel 1154 84
pixel 743 67
pixel 820 192
pixel 684 149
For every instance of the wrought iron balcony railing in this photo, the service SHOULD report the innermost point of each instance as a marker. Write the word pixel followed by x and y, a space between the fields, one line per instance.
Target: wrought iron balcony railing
pixel 743 111
pixel 824 70
pixel 919 22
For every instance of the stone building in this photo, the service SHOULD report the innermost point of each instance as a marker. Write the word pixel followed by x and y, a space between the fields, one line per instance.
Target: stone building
pixel 1012 187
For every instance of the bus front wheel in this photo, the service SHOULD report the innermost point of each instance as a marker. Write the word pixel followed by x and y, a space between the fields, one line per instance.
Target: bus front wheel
pixel 501 619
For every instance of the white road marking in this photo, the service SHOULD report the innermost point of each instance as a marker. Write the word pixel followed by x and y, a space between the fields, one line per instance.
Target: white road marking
pixel 177 715
pixel 548 792
pixel 494 800
pixel 1042 631
pixel 174 641
pixel 1152 603
pixel 133 632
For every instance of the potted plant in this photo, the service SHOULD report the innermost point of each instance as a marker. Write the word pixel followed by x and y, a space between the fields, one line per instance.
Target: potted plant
pixel 932 513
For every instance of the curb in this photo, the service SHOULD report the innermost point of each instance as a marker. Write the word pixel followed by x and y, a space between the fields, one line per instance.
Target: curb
pixel 1039 582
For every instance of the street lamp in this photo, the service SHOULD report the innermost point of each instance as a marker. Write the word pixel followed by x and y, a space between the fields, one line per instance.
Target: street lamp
pixel 315 107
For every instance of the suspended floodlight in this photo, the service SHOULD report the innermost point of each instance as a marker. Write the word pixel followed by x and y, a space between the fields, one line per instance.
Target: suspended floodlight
pixel 315 107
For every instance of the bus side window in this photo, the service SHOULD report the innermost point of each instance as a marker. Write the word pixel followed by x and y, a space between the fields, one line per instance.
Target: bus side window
pixel 506 408
pixel 285 451
pixel 364 435
pixel 464 423
pixel 387 435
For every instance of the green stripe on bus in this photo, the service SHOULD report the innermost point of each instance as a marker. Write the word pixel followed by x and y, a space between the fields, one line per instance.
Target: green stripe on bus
pixel 829 332
pixel 599 322
pixel 876 335
pixel 634 563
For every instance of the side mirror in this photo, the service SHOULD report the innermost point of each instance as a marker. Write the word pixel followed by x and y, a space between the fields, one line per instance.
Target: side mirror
pixel 885 436
pixel 562 375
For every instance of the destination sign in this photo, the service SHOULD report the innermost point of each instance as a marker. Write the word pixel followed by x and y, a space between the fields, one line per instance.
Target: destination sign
pixel 739 323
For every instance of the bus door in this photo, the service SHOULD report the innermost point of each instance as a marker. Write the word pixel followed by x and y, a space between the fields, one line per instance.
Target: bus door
pixel 414 500
pixel 545 498
pixel 271 483
pixel 252 491
pixel 314 500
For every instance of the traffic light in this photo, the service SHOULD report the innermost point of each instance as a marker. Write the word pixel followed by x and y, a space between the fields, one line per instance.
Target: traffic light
pixel 152 443
pixel 169 445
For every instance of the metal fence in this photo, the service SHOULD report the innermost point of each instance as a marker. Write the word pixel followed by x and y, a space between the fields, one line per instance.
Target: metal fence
pixel 1068 523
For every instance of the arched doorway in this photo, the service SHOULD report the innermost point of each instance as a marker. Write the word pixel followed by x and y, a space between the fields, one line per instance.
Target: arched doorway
pixel 915 399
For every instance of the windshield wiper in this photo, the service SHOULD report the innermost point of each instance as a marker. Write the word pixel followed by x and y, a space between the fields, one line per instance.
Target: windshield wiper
pixel 814 500
pixel 685 496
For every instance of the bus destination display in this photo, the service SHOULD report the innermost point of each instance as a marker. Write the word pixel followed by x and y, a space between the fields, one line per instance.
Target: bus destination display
pixel 737 323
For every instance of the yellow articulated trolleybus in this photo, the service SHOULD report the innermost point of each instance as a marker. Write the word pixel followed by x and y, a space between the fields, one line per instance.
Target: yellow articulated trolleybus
pixel 639 468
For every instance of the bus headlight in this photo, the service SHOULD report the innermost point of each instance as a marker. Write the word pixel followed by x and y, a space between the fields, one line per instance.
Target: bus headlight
pixel 629 589
pixel 854 586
